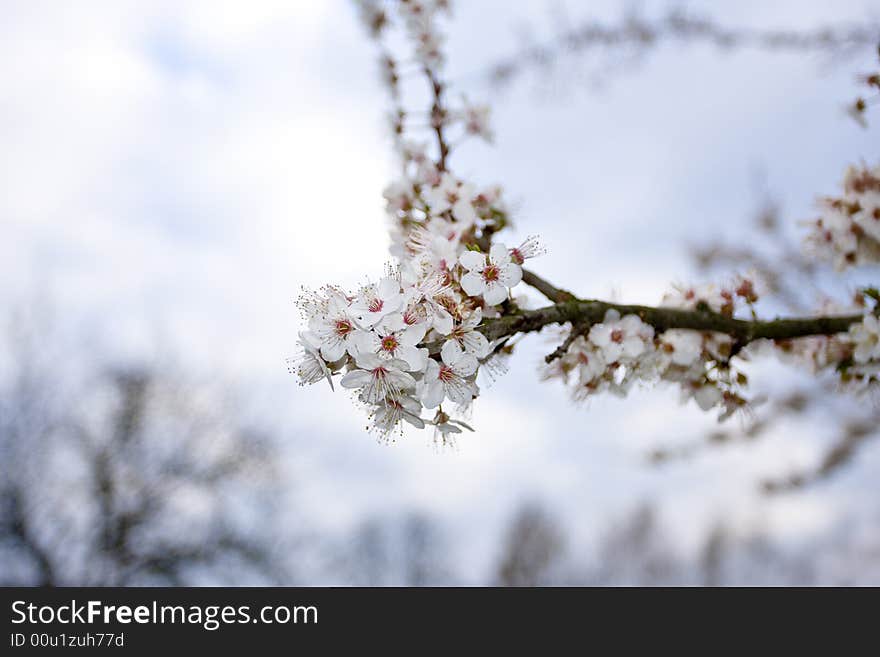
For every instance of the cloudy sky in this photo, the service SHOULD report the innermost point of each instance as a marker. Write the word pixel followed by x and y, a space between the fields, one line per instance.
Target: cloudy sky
pixel 175 172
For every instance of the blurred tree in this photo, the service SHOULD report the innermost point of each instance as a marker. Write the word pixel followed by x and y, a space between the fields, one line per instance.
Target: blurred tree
pixel 533 550
pixel 126 474
pixel 636 552
pixel 620 45
pixel 406 551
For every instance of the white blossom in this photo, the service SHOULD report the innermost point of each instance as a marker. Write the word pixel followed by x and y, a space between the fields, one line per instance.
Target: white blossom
pixel 453 196
pixel 531 247
pixel 621 339
pixel 587 360
pixel 706 395
pixel 309 366
pixel 466 335
pixel 694 297
pixel 445 426
pixel 400 197
pixel 387 416
pixel 394 339
pixel 376 300
pixel 847 233
pixel 334 327
pixel 868 216
pixel 489 276
pixel 866 338
pixel 448 379
pixel 378 379
pixel 682 346
pixel 475 119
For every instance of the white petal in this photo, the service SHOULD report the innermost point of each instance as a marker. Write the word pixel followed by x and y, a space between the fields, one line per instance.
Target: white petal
pixel 392 303
pixel 413 334
pixel 473 260
pixel 414 420
pixel 499 255
pixel 459 391
pixel 366 341
pixel 451 352
pixel 333 351
pixel 307 338
pixel 414 357
pixel 473 284
pixel 433 394
pixel 317 323
pixel 466 365
pixel 448 428
pixel 432 370
pixel 464 211
pixel 510 275
pixel 356 379
pixel 495 293
pixel 392 322
pixel 411 405
pixel 476 343
pixel 368 360
pixel 387 287
pixel 438 202
pixel 633 347
pixel 369 319
pixel 600 335
pixel 474 320
pixel 443 322
pixel 400 379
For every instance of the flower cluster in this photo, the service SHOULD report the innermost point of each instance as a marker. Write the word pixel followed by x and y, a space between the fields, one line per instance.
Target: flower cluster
pixel 621 351
pixel 855 355
pixel 848 231
pixel 410 341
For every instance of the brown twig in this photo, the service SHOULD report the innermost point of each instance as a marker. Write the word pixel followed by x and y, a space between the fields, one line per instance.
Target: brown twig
pixel 663 319
pixel 438 117
pixel 553 293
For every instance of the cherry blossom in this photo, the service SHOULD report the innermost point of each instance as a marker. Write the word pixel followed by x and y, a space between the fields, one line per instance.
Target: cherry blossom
pixel 847 233
pixel 400 197
pixel 471 340
pixel 696 297
pixel 683 347
pixel 378 379
pixel 704 394
pixel 334 327
pixel 376 300
pixel 309 366
pixel 621 339
pixel 445 426
pixel 394 339
pixel 387 416
pixel 866 338
pixel 449 378
pixel 489 276
pixel 453 196
pixel 531 247
pixel 475 119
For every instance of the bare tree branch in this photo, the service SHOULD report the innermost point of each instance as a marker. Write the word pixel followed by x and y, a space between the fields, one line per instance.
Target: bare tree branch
pixel 636 35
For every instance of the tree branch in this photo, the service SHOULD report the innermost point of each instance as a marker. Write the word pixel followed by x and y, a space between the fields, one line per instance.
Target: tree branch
pixel 553 293
pixel 662 319
pixel 438 117
pixel 638 34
